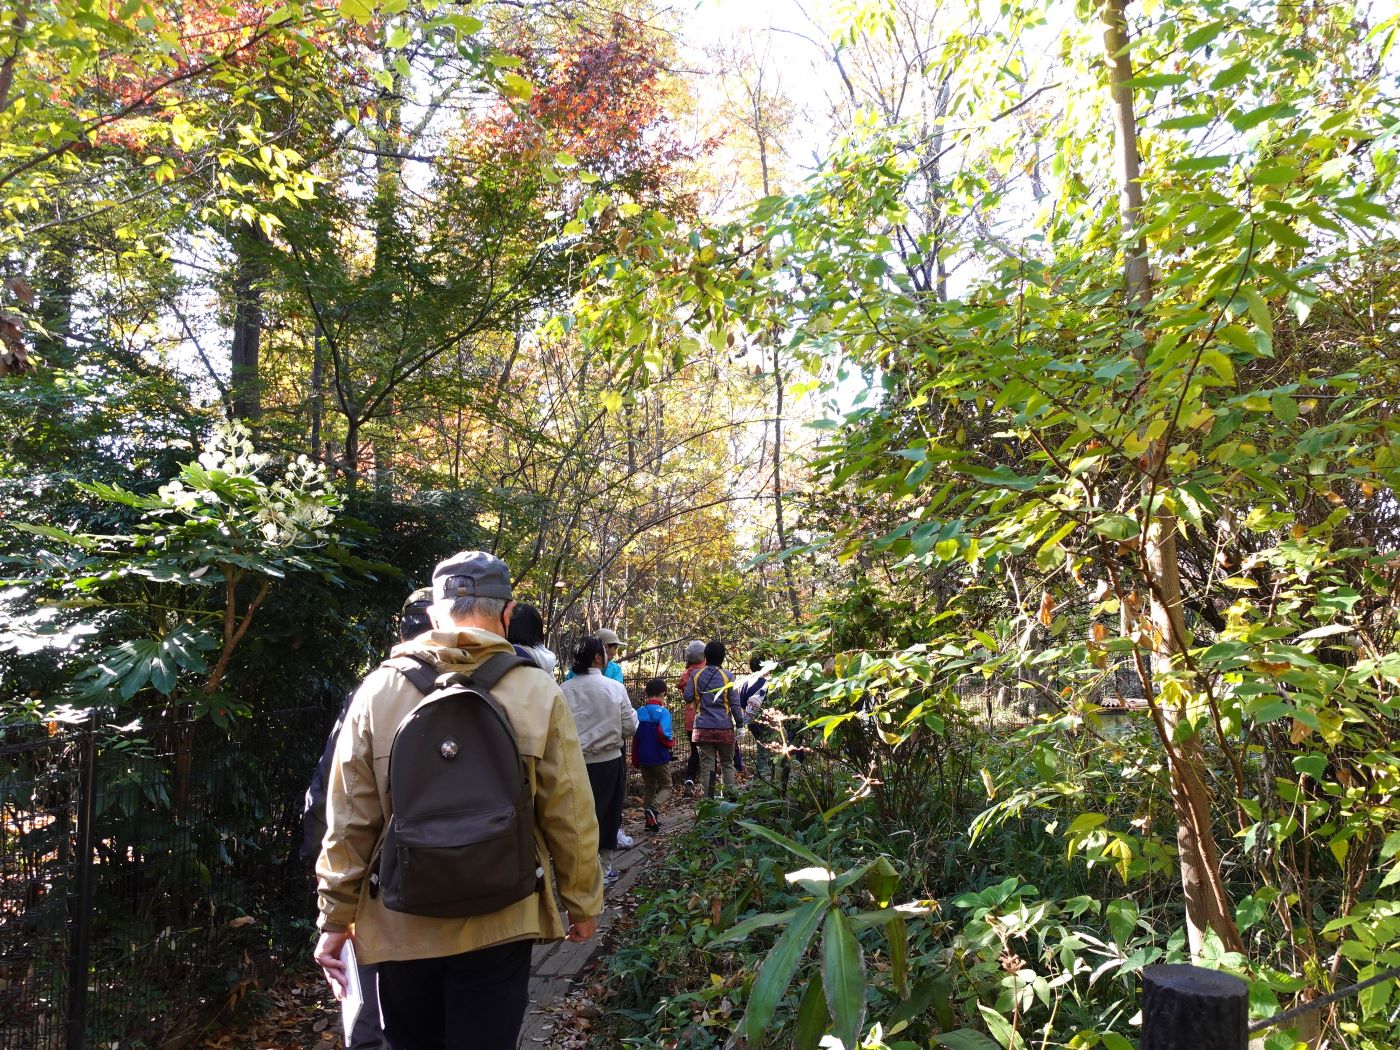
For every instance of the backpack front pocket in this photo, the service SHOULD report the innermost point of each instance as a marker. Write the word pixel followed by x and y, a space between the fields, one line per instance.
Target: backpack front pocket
pixel 457 863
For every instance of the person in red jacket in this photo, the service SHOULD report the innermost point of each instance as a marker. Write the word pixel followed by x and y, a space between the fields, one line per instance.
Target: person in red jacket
pixel 694 661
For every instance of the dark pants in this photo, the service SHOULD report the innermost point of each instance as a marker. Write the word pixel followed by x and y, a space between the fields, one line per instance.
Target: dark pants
pixel 367 1035
pixel 692 764
pixel 609 782
pixel 472 1001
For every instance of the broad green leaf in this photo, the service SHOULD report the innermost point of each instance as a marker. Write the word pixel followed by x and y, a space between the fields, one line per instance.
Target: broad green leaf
pixel 360 11
pixel 779 965
pixel 1284 407
pixel 897 933
pixel 1220 364
pixel 843 978
pixel 1122 915
pixel 1086 822
pixel 1116 526
pixel 739 931
pixel 516 86
pixel 811 1023
pixel 778 838
pixel 1001 1028
pixel 965 1039
pixel 882 880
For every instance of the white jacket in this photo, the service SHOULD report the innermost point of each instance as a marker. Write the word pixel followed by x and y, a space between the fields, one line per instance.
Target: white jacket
pixel 604 716
pixel 544 658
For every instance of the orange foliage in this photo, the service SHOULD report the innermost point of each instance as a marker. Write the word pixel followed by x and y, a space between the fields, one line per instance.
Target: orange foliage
pixel 605 99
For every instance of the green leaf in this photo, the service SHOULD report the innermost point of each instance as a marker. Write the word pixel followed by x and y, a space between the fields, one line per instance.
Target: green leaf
pixel 1000 1028
pixel 811 1023
pixel 965 1039
pixel 1314 766
pixel 1199 38
pixel 1233 75
pixel 843 978
pixel 778 967
pixel 1220 364
pixel 1284 407
pixel 360 11
pixel 1086 822
pixel 740 930
pixel 466 25
pixel 1122 915
pixel 516 86
pixel 882 880
pixel 1116 526
pixel 778 838
pixel 897 933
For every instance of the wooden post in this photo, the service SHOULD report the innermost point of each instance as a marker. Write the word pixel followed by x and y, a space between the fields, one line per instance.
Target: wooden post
pixel 1192 1008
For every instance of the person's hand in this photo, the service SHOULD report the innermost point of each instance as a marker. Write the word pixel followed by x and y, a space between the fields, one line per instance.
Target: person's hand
pixel 581 929
pixel 328 949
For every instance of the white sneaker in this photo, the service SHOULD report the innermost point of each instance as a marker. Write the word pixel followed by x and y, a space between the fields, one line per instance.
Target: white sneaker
pixel 625 841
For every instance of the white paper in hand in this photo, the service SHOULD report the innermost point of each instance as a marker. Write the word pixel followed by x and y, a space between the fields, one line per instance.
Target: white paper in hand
pixel 354 994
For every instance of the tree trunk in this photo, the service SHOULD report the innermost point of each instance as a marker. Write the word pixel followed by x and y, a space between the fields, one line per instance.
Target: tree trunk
pixel 318 394
pixel 352 452
pixel 18 24
pixel 778 481
pixel 1208 907
pixel 244 377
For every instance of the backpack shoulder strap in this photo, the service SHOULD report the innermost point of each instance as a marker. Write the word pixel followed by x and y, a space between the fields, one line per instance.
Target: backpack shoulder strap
pixel 419 670
pixel 495 667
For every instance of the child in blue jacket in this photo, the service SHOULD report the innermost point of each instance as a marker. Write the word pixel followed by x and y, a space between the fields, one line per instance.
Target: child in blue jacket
pixel 651 750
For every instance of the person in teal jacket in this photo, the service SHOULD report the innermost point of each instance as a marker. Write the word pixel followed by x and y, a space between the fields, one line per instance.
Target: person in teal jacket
pixel 612 645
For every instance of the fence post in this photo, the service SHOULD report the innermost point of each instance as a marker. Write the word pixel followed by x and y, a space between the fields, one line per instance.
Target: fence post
pixel 80 905
pixel 1192 1008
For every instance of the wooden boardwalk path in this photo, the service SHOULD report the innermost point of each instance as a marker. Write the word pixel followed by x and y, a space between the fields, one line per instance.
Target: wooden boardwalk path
pixel 557 965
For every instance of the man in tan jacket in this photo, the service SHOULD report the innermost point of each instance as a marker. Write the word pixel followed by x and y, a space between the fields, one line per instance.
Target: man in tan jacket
pixel 457 983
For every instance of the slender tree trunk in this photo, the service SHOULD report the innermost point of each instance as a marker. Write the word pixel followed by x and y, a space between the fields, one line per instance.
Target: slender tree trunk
pixel 788 580
pixel 318 394
pixel 244 375
pixel 18 24
pixel 779 523
pixel 1208 907
pixel 352 451
pixel 457 433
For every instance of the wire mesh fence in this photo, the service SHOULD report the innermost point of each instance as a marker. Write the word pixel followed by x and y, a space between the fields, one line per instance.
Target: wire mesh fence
pixel 38 793
pixel 192 875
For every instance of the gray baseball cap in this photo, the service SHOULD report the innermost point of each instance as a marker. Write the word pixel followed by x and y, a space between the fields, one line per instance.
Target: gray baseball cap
pixel 419 599
pixel 607 636
pixel 471 574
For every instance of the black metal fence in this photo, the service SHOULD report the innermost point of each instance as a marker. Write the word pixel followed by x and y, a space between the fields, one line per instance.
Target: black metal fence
pixel 147 871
